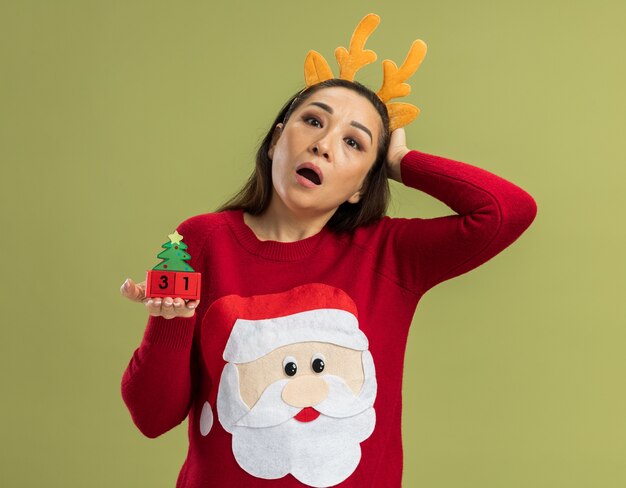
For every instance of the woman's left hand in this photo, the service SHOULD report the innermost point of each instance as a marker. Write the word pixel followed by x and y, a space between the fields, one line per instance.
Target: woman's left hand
pixel 397 150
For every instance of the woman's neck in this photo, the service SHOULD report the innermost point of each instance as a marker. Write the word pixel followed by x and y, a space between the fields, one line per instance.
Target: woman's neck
pixel 278 223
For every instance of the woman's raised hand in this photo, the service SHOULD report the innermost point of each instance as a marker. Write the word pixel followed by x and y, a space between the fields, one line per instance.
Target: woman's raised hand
pixel 397 150
pixel 158 307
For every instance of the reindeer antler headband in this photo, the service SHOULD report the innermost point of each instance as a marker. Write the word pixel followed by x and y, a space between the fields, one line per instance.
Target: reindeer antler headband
pixel 316 70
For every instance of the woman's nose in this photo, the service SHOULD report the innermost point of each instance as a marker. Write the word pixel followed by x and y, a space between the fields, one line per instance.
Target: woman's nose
pixel 320 148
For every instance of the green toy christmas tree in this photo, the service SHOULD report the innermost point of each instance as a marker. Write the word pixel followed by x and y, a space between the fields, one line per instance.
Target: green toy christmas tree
pixel 174 256
pixel 173 277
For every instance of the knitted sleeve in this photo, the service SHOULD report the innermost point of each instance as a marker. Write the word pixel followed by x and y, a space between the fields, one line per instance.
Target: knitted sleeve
pixel 158 383
pixel 491 213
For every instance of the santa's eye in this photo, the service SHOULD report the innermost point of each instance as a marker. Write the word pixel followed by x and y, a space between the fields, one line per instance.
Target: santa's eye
pixel 290 366
pixel 317 363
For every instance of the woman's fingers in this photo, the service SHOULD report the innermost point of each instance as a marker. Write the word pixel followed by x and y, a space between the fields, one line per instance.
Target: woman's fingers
pixel 169 307
pixel 178 308
pixel 134 291
pixel 153 306
pixel 142 289
pixel 397 146
pixel 398 137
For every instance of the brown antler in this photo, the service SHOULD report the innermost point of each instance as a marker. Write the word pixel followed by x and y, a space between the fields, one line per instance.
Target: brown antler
pixel 353 61
pixel 393 77
pixel 401 114
pixel 316 69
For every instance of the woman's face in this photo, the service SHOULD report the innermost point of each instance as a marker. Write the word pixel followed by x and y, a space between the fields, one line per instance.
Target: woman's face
pixel 336 130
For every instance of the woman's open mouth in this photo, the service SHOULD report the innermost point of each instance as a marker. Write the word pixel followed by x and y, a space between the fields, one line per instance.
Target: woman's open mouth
pixel 307 177
pixel 310 172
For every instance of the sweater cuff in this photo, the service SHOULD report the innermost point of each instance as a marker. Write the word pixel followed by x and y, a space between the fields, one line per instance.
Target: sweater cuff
pixel 176 333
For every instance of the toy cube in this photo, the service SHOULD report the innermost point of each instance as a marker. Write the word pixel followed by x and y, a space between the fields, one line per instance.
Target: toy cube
pixel 181 284
pixel 187 285
pixel 160 283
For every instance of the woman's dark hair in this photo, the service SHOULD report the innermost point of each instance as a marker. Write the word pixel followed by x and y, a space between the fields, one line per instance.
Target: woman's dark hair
pixel 254 197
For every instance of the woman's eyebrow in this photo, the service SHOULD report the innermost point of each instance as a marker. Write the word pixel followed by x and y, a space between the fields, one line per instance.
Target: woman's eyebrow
pixel 354 123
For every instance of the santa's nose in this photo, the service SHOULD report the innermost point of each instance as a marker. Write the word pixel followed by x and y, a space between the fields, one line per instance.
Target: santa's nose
pixel 305 391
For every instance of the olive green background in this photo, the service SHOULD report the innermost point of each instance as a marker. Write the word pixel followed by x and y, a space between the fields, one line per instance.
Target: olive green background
pixel 119 119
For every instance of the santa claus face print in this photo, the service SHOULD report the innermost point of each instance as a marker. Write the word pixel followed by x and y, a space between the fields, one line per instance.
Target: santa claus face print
pixel 292 380
pixel 302 409
pixel 336 130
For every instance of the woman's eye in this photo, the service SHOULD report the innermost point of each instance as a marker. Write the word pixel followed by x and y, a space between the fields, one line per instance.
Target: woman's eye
pixel 307 119
pixel 356 144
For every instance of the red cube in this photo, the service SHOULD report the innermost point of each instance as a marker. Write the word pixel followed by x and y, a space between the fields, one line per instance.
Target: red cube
pixel 160 283
pixel 187 285
pixel 181 284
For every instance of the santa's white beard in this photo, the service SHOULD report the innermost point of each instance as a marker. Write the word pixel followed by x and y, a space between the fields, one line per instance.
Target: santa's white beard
pixel 320 453
pixel 269 443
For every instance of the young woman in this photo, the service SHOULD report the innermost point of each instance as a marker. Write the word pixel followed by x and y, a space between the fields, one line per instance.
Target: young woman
pixel 290 366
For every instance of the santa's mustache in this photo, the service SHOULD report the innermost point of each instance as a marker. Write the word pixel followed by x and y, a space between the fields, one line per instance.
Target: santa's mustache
pixel 341 402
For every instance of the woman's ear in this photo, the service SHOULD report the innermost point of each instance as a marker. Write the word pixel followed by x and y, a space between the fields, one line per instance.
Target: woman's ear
pixel 355 198
pixel 275 136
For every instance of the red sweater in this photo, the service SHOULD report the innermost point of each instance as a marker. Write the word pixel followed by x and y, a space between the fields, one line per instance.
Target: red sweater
pixel 338 310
